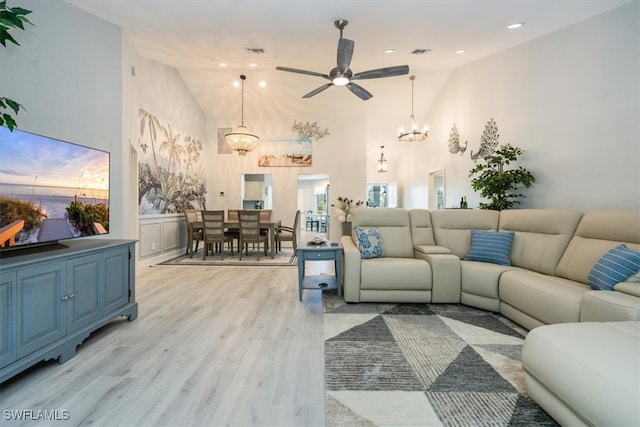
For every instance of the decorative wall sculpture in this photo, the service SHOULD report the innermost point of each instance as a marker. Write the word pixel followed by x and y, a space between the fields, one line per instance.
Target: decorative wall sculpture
pixel 488 141
pixel 170 174
pixel 454 142
pixel 309 130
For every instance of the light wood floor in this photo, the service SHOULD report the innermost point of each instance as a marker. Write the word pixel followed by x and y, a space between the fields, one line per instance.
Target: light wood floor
pixel 211 346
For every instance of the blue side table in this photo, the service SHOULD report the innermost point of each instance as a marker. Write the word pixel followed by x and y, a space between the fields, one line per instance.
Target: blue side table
pixel 325 252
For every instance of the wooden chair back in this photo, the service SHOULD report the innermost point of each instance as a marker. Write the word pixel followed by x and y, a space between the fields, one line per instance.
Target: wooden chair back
pixel 265 214
pixel 213 222
pixel 250 226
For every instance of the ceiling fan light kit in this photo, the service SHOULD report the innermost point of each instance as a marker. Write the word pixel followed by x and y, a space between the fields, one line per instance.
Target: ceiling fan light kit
pixel 413 135
pixel 241 140
pixel 342 75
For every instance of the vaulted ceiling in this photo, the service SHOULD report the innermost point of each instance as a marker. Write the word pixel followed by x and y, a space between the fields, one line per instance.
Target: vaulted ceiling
pixel 197 36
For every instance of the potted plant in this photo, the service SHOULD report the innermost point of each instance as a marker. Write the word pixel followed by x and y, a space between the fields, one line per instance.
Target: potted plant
pixel 497 183
pixel 344 206
pixel 10 18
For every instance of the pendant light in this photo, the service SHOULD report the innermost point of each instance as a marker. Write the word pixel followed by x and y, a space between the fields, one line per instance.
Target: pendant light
pixel 413 134
pixel 241 140
pixel 382 163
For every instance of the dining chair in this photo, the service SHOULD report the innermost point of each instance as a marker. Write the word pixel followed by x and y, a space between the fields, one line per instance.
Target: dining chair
pixel 214 234
pixel 232 215
pixel 194 233
pixel 311 221
pixel 250 232
pixel 289 234
pixel 265 214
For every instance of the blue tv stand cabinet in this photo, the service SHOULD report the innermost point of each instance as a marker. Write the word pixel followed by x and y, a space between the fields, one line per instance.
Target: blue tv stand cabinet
pixel 51 301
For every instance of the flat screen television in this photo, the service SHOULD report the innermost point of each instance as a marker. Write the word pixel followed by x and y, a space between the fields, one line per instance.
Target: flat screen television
pixel 50 190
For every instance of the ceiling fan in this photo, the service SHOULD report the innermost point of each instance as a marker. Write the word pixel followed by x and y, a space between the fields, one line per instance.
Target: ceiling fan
pixel 342 75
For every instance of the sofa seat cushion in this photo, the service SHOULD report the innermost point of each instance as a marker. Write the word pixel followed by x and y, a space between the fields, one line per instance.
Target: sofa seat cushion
pixel 395 273
pixel 609 306
pixel 547 299
pixel 482 278
pixel 585 373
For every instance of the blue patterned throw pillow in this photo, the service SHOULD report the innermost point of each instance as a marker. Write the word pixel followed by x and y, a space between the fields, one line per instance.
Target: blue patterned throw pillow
pixel 491 246
pixel 368 241
pixel 614 267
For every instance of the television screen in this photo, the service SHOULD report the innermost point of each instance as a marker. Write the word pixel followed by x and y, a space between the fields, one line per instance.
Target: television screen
pixel 50 190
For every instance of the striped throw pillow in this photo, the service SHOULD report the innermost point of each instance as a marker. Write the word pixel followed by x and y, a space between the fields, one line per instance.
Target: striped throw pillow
pixel 614 267
pixel 491 246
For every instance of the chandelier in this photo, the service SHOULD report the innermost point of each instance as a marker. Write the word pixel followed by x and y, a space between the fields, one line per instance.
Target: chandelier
pixel 241 140
pixel 413 135
pixel 382 163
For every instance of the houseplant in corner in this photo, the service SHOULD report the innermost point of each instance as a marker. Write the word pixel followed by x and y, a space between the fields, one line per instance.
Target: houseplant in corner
pixel 497 183
pixel 10 18
pixel 343 207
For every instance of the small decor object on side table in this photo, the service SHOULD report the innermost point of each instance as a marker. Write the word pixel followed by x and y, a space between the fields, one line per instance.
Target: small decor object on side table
pixel 343 207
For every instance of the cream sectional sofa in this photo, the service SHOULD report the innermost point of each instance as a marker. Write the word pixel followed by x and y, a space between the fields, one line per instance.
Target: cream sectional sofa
pixel 552 254
pixel 582 357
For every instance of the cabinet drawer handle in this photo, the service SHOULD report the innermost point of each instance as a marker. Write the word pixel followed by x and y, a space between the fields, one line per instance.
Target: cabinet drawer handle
pixel 64 298
pixel 72 296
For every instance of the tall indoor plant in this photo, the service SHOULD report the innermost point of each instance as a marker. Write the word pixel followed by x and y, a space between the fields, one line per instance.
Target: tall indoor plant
pixel 497 183
pixel 10 18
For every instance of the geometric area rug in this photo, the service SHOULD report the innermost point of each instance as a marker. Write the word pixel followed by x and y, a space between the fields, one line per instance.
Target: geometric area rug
pixel 423 365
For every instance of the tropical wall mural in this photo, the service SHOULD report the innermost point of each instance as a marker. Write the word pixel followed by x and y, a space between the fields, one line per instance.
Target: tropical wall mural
pixel 170 173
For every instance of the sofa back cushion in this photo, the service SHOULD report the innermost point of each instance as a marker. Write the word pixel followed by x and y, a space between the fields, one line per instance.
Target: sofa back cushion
pixel 452 227
pixel 597 233
pixel 394 227
pixel 421 228
pixel 541 236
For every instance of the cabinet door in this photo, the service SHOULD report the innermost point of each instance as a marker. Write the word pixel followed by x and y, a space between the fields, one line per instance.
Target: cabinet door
pixel 116 279
pixel 84 291
pixel 41 311
pixel 7 318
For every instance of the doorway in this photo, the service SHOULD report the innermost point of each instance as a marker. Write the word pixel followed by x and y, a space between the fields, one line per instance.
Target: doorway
pixel 314 203
pixel 257 191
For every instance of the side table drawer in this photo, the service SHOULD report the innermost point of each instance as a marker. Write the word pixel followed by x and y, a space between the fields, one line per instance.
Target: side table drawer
pixel 320 255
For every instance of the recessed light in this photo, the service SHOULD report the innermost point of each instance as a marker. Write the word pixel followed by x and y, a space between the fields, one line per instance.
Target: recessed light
pixel 223 65
pixel 389 50
pixel 252 65
pixel 236 83
pixel 461 51
pixel 262 83
pixel 515 25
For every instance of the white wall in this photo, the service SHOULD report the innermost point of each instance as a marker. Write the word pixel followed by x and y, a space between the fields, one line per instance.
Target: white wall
pixel 66 73
pixel 341 155
pixel 569 99
pixel 159 90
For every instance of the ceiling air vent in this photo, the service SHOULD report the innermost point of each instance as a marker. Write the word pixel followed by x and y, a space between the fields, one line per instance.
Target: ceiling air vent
pixel 256 50
pixel 420 51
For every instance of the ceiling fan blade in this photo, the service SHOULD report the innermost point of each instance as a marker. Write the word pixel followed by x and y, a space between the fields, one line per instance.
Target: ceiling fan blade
pixel 345 53
pixel 317 90
pixel 397 70
pixel 310 73
pixel 359 91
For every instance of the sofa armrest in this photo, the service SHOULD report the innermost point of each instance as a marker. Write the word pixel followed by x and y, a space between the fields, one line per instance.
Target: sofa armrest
pixel 445 279
pixel 420 251
pixel 631 288
pixel 351 278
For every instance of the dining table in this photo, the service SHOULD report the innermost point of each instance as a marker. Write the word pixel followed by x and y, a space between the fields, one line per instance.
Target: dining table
pixel 270 225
